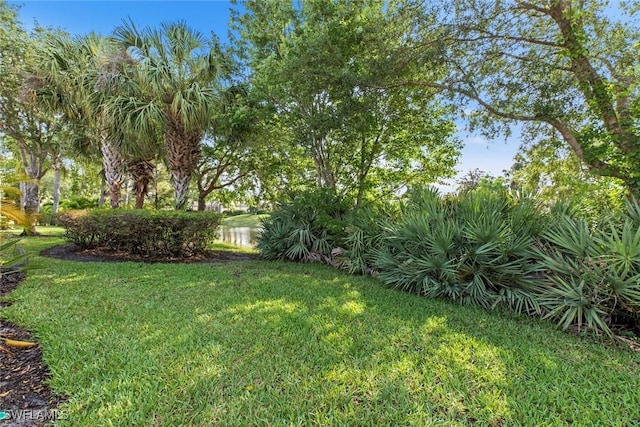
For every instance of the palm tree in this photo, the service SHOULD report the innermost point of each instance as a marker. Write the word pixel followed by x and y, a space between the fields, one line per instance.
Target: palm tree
pixel 75 77
pixel 175 92
pixel 142 172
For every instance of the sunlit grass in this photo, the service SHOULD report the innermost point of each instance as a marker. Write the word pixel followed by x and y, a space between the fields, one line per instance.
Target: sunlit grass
pixel 260 343
pixel 43 230
pixel 229 247
pixel 244 220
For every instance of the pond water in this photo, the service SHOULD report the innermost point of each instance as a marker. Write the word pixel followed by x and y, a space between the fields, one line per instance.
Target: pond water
pixel 239 236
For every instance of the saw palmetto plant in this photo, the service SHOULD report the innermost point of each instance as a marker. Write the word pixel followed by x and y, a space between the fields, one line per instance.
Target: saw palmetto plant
pixel 595 274
pixel 475 249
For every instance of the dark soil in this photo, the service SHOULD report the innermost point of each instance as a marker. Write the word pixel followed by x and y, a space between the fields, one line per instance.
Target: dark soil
pixel 72 252
pixel 23 374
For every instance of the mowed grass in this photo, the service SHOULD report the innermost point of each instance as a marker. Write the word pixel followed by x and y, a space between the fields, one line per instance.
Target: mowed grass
pixel 44 230
pixel 270 343
pixel 244 220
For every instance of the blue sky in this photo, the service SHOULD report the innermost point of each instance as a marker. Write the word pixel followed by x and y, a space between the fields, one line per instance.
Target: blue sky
pixel 80 17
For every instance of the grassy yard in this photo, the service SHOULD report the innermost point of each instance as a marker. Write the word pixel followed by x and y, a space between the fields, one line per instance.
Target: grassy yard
pixel 270 343
pixel 244 220
pixel 44 230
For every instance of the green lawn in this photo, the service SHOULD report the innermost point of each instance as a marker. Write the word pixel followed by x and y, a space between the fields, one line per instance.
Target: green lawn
pixel 44 230
pixel 271 343
pixel 244 220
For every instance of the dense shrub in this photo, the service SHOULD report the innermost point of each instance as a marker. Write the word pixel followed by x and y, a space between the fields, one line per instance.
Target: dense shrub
pixel 478 248
pixel 307 227
pixel 594 275
pixel 47 217
pixel 364 238
pixel 142 232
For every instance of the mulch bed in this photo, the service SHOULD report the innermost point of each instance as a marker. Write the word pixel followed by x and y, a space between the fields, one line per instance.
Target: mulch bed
pixel 72 252
pixel 23 374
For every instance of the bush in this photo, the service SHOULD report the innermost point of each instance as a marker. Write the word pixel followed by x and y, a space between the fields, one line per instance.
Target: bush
pixel 487 246
pixel 594 279
pixel 142 232
pixel 478 248
pixel 307 227
pixel 364 239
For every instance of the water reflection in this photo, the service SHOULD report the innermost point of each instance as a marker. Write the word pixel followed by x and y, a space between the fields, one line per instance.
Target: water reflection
pixel 239 236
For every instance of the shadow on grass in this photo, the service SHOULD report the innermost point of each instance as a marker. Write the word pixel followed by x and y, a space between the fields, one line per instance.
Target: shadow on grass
pixel 284 343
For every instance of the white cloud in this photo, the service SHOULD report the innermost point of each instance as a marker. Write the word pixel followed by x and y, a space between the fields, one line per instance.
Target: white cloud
pixel 478 140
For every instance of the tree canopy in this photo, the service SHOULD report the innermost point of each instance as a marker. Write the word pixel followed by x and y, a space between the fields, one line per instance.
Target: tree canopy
pixel 362 98
pixel 559 65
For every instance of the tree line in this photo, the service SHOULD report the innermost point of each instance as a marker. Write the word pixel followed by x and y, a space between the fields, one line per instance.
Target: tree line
pixel 357 97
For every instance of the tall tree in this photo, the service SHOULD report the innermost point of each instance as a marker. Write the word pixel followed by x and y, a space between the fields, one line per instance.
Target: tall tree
pixel 29 128
pixel 560 64
pixel 176 73
pixel 232 149
pixel 75 78
pixel 318 65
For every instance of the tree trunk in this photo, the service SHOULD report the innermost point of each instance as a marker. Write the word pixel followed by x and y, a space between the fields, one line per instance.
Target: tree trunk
pixel 202 203
pixel 115 194
pixel 31 206
pixel 113 165
pixel 183 152
pixel 23 191
pixel 360 194
pixel 126 191
pixel 142 173
pixel 180 183
pixel 30 198
pixel 57 166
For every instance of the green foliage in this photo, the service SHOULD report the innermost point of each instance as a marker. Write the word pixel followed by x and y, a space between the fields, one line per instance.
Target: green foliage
pixel 174 92
pixel 10 260
pixel 487 246
pixel 574 73
pixel 547 168
pixel 10 211
pixel 477 248
pixel 235 212
pixel 306 228
pixel 142 232
pixel 75 203
pixel 364 238
pixel 318 65
pixel 245 220
pixel 594 279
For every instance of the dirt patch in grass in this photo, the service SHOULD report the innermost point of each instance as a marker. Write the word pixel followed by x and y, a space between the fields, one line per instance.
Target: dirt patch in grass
pixel 71 252
pixel 24 395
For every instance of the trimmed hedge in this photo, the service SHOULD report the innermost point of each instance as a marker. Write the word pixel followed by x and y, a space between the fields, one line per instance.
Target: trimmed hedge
pixel 142 232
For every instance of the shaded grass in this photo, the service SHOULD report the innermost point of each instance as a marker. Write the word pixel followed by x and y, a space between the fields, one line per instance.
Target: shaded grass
pixel 288 344
pixel 244 220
